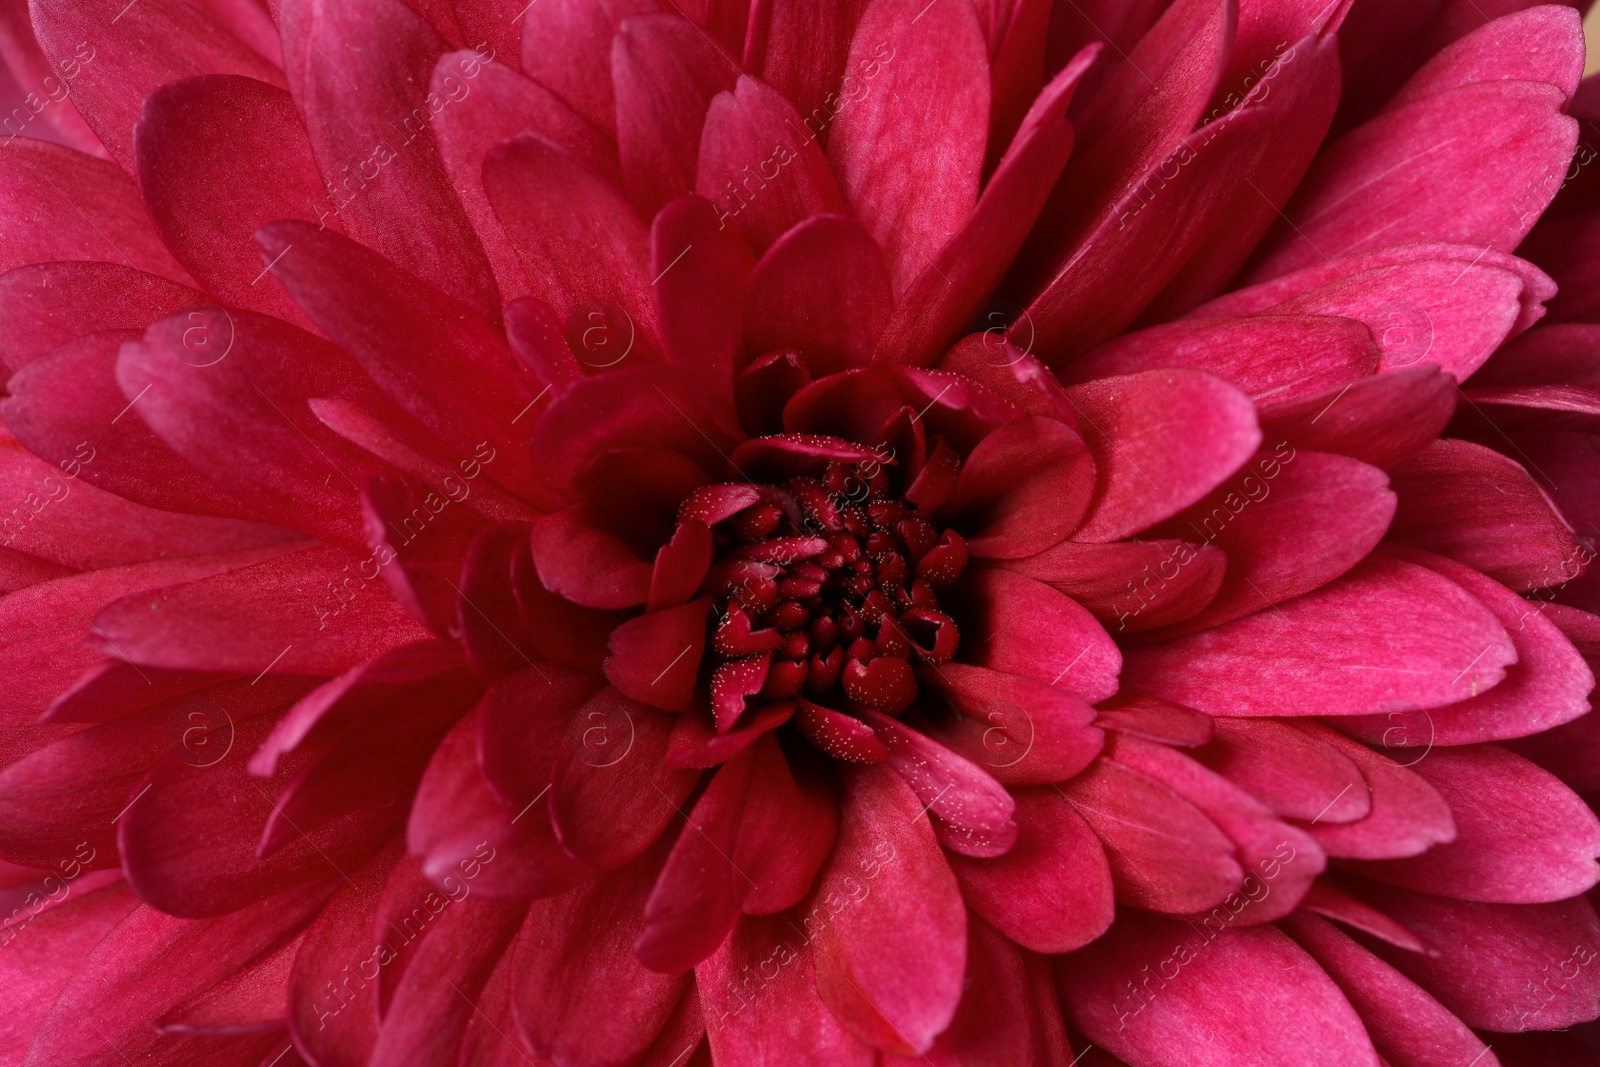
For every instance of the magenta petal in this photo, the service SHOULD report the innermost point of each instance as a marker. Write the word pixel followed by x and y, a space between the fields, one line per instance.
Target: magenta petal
pixel 1407 1026
pixel 389 51
pixel 1483 509
pixel 1408 815
pixel 1165 854
pixel 972 811
pixel 49 304
pixel 760 168
pixel 1052 892
pixel 1036 632
pixel 199 140
pixel 613 795
pixel 1138 585
pixel 1308 657
pixel 1023 489
pixel 786 831
pixel 1161 440
pixel 132 55
pixel 1492 960
pixel 1379 420
pixel 666 72
pixel 566 47
pixel 582 242
pixel 104 221
pixel 1019 730
pixel 787 1021
pixel 890 964
pixel 1539 845
pixel 823 289
pixel 1256 972
pixel 908 145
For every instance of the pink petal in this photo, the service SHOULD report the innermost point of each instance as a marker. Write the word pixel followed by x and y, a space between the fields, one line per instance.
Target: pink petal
pixel 1339 507
pixel 197 143
pixel 1161 440
pixel 131 55
pixel 43 225
pixel 387 50
pixel 1494 961
pixel 259 616
pixel 1369 188
pixel 487 103
pixel 1023 489
pixel 578 236
pixel 908 146
pixel 1165 854
pixel 1388 636
pixel 972 811
pixel 49 304
pixel 1036 632
pixel 1483 509
pixel 786 831
pixel 1540 844
pixel 1052 892
pixel 1408 815
pixel 461 949
pixel 666 72
pixel 890 963
pixel 1379 420
pixel 188 843
pixel 566 47
pixel 1407 1026
pixel 1257 972
pixel 1138 585
pixel 583 563
pixel 1289 770
pixel 1548 685
pixel 459 379
pixel 117 992
pixel 759 167
pixel 801 48
pixel 692 907
pixel 1280 861
pixel 1271 357
pixel 1020 731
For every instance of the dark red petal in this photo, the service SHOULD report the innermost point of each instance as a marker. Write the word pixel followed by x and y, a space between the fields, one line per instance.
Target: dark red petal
pixel 655 658
pixel 972 811
pixel 581 997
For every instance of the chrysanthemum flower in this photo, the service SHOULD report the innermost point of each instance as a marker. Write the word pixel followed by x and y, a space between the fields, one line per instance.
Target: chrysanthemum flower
pixel 850 532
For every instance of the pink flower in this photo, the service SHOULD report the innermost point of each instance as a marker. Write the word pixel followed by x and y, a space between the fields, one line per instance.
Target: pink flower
pixel 789 532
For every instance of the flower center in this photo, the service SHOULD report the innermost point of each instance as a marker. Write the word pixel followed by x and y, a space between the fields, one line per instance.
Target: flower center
pixel 831 586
